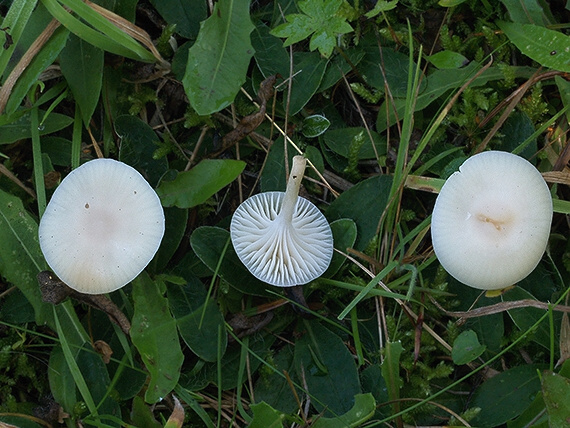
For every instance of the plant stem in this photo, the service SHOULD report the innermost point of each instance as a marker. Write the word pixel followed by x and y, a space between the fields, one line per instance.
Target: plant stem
pixel 38 162
pixel 76 139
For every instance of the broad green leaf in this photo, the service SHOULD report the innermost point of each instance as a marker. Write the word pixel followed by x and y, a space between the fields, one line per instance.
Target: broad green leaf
pixel 16 309
pixel 517 129
pixel 57 149
pixel 526 12
pixel 556 394
pixel 185 14
pixel 315 125
pixel 525 318
pixel 175 221
pixel 490 329
pixel 466 348
pixel 364 203
pixel 96 377
pixel 138 144
pixel 82 66
pixel 130 380
pixel 560 206
pixel 180 60
pixel 298 27
pixel 339 66
pixel 194 187
pixel 125 8
pixel 190 264
pixel 265 416
pixel 363 409
pixel 565 369
pixel 211 244
pixel 547 47
pixel 321 19
pixel 198 326
pixel 322 359
pixel 534 415
pixel 373 382
pixel 314 155
pixel 273 178
pixel 394 71
pixel 155 336
pixel 381 6
pixel 506 395
pixel 564 91
pixel 344 236
pixel 20 256
pixel 308 72
pixel 340 140
pixel 218 61
pixel 448 59
pixel 270 55
pixel 141 415
pixel 20 129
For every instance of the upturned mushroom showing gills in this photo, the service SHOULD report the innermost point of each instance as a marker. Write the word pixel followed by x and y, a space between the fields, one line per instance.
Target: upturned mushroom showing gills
pixel 491 221
pixel 102 226
pixel 281 238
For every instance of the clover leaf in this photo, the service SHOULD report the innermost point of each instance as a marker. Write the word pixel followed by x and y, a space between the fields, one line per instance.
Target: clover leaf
pixel 321 19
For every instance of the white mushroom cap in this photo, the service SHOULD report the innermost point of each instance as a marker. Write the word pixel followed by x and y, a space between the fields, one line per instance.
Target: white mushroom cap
pixel 491 220
pixel 102 226
pixel 281 238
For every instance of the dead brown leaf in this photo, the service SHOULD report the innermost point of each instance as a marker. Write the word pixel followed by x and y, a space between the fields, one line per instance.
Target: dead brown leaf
pixel 176 419
pixel 104 349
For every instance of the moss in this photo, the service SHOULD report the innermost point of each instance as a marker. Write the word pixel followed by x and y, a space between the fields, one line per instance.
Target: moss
pixel 356 144
pixel 138 100
pixel 534 104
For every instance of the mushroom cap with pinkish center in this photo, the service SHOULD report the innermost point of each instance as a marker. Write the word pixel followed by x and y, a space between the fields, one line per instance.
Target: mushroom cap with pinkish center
pixel 102 226
pixel 491 220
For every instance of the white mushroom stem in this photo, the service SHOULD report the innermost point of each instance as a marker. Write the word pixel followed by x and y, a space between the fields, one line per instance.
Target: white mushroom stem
pixel 293 186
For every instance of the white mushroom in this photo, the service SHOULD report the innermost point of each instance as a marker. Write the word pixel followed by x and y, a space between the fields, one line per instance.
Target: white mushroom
pixel 491 220
pixel 281 238
pixel 102 226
